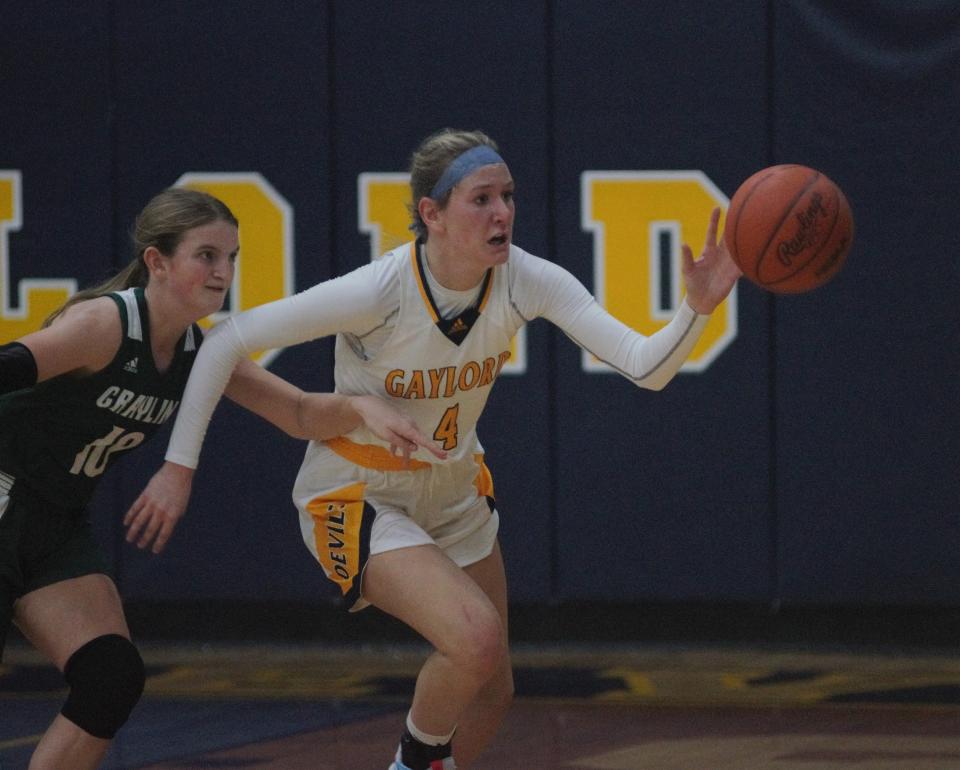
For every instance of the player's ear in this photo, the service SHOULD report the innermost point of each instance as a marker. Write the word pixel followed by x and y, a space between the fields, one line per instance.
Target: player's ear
pixel 154 260
pixel 429 211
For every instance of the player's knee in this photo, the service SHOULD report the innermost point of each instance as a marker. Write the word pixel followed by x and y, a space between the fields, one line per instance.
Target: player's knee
pixel 482 645
pixel 106 678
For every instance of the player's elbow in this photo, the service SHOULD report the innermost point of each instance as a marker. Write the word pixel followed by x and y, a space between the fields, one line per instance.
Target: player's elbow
pixel 654 382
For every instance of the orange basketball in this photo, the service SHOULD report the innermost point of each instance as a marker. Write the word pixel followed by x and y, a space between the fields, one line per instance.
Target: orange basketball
pixel 789 228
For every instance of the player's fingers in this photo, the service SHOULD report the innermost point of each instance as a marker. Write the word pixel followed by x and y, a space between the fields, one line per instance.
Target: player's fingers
pixel 712 227
pixel 149 532
pixel 136 524
pixel 397 433
pixel 413 434
pixel 411 438
pixel 435 449
pixel 403 444
pixel 162 537
pixel 132 513
pixel 686 256
pixel 418 439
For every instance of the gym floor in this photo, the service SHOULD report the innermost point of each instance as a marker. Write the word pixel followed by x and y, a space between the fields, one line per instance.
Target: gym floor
pixel 605 706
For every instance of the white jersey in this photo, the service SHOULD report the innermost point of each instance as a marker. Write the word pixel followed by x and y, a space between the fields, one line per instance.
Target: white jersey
pixel 403 337
pixel 441 380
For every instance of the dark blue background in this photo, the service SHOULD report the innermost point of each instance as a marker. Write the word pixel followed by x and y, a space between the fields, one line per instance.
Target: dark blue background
pixel 814 462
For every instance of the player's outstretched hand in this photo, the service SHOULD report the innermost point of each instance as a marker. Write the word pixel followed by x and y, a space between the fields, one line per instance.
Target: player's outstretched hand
pixel 710 278
pixel 155 514
pixel 392 426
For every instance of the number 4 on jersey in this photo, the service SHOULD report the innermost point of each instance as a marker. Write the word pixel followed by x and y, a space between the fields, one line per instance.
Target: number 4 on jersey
pixel 446 432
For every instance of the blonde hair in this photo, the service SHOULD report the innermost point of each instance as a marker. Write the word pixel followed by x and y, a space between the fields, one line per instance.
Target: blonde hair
pixel 431 159
pixel 162 224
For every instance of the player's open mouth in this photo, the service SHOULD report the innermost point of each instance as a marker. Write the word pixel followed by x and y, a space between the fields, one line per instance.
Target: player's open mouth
pixel 498 240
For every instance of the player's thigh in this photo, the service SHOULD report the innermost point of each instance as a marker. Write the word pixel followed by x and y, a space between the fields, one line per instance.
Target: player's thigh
pixel 61 617
pixel 426 590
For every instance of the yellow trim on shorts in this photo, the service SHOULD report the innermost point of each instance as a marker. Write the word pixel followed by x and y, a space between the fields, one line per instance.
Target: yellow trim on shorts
pixel 337 533
pixel 484 480
pixel 373 456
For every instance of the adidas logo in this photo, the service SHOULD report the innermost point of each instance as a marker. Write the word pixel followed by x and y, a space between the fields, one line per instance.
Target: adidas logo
pixel 131 366
pixel 458 326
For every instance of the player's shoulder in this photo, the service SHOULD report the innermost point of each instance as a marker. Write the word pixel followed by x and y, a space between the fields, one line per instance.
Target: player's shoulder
pixel 395 258
pixel 390 262
pixel 376 270
pixel 97 314
pixel 525 266
pixel 92 326
pixel 376 281
pixel 524 259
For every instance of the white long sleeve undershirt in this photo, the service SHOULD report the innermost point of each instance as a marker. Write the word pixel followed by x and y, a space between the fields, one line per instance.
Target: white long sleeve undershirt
pixel 364 301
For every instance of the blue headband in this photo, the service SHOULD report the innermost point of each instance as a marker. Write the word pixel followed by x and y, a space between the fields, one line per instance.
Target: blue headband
pixel 463 165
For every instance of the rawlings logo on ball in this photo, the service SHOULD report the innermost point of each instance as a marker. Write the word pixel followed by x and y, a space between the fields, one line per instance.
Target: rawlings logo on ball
pixel 806 235
pixel 789 228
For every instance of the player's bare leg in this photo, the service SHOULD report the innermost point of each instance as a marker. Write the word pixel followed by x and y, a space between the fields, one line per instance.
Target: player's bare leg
pixel 64 746
pixel 58 620
pixel 427 591
pixel 483 717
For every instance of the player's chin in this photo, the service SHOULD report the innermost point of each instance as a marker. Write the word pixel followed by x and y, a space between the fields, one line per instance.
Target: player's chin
pixel 498 250
pixel 213 300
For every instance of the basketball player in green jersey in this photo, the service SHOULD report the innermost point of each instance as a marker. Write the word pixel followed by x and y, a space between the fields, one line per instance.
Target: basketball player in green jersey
pixel 103 375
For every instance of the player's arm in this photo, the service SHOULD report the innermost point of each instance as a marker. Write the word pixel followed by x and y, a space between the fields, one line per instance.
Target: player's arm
pixel 650 362
pixel 341 304
pixel 547 290
pixel 323 310
pixel 84 339
pixel 319 416
pixel 154 515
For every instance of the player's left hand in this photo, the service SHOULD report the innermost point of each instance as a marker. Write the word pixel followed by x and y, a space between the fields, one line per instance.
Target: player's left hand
pixel 710 278
pixel 157 511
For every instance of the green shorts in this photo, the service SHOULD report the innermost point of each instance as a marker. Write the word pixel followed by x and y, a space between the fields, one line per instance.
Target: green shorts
pixel 41 544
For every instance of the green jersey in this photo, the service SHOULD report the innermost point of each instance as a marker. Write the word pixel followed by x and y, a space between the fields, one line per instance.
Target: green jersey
pixel 58 437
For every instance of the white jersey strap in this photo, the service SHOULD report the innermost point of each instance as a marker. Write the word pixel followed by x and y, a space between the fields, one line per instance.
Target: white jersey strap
pixel 134 324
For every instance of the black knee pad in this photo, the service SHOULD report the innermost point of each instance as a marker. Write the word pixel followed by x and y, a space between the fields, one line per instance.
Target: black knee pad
pixel 106 678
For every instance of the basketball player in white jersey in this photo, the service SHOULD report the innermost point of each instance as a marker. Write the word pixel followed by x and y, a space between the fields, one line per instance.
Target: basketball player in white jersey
pixel 429 326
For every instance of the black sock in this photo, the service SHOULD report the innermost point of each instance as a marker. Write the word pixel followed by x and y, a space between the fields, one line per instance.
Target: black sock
pixel 418 756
